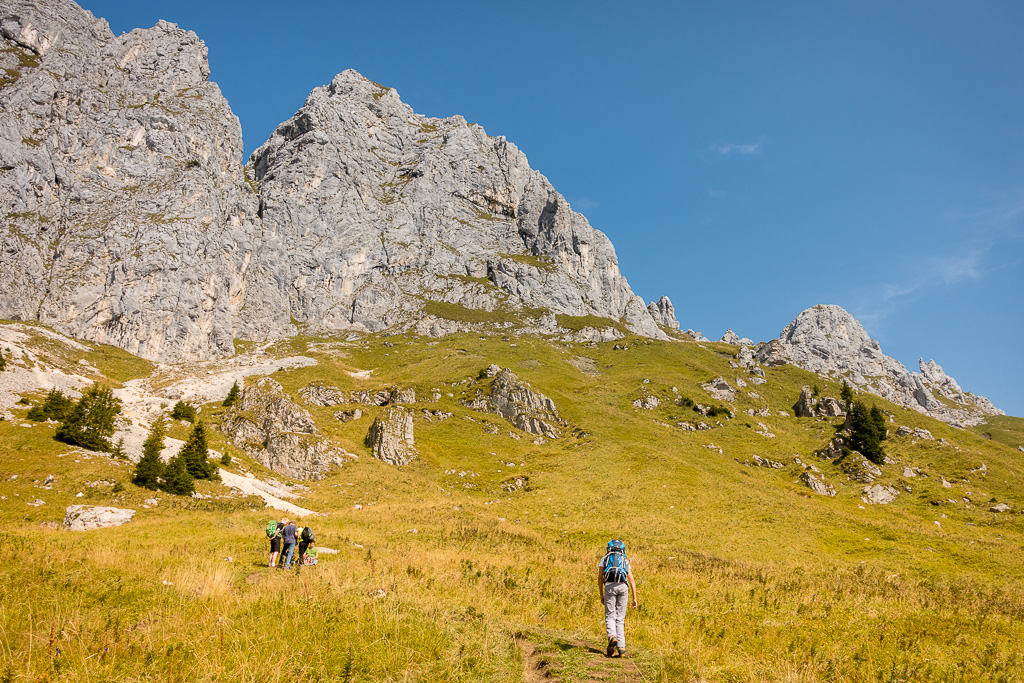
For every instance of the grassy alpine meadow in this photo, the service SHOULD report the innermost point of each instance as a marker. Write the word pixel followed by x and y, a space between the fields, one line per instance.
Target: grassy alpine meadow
pixel 477 561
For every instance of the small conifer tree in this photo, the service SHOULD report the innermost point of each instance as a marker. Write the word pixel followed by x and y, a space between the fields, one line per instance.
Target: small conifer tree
pixel 56 406
pixel 90 423
pixel 177 480
pixel 878 418
pixel 150 468
pixel 183 411
pixel 846 395
pixel 865 435
pixel 232 396
pixel 196 454
pixel 3 361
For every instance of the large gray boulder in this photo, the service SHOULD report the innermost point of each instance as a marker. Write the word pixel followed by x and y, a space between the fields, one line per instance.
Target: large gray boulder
pixel 127 216
pixel 879 494
pixel 279 434
pixel 829 341
pixel 808 406
pixel 391 437
pixel 87 517
pixel 805 405
pixel 520 404
pixel 817 485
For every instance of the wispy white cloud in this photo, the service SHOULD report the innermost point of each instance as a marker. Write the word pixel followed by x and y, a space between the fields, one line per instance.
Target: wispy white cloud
pixel 584 204
pixel 733 148
pixel 717 194
pixel 990 236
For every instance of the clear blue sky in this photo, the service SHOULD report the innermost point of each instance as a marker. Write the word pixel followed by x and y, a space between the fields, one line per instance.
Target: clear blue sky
pixel 748 159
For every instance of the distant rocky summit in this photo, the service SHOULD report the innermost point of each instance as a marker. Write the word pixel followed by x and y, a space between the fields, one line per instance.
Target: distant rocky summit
pixel 829 341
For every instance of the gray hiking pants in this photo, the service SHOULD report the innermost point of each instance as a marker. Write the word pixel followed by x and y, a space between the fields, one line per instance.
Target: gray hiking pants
pixel 616 596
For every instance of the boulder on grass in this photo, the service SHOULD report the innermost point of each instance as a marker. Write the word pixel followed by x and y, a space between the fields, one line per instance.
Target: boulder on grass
pixel 86 517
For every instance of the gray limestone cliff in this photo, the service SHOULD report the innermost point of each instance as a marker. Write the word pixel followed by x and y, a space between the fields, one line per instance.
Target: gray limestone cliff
pixel 124 214
pixel 376 217
pixel 127 217
pixel 829 341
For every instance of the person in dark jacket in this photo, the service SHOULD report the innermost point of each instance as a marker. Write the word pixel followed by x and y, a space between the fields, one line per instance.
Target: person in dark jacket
pixel 288 539
pixel 305 542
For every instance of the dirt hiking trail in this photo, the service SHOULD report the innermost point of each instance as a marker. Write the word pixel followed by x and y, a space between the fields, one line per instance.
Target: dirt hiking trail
pixel 569 660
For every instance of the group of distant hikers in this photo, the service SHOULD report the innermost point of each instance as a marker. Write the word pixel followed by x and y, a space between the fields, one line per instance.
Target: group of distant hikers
pixel 284 536
pixel 614 575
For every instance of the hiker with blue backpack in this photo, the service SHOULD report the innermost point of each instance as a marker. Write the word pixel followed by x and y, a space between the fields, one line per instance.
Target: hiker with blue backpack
pixel 615 581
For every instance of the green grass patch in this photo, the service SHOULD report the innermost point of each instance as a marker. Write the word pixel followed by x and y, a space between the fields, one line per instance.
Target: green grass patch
pixel 576 323
pixel 539 262
pixel 1004 429
pixel 744 575
pixel 460 313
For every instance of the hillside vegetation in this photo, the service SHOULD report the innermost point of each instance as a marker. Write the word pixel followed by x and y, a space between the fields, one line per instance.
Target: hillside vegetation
pixel 443 574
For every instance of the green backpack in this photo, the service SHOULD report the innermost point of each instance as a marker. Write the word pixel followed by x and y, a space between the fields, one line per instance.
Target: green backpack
pixel 272 528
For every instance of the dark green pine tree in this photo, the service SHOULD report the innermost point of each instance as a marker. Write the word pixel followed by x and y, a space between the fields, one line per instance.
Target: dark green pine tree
pixel 177 480
pixel 878 418
pixel 57 405
pixel 90 424
pixel 846 395
pixel 184 411
pixel 150 468
pixel 864 433
pixel 232 396
pixel 196 454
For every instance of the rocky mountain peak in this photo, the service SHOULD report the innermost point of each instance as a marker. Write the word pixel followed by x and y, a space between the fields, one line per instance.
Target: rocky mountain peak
pixel 827 340
pixel 370 210
pixel 130 220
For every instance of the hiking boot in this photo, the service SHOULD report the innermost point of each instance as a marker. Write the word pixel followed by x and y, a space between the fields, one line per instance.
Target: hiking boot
pixel 613 645
pixel 620 652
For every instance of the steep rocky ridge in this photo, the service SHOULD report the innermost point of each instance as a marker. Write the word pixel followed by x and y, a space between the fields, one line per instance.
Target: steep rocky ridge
pixel 124 215
pixel 829 341
pixel 373 215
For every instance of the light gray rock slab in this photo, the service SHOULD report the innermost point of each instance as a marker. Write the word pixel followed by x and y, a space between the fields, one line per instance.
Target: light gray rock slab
pixel 879 494
pixel 391 437
pixel 87 517
pixel 817 485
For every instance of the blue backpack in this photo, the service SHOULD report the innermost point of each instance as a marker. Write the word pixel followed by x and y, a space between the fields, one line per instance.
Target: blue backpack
pixel 616 567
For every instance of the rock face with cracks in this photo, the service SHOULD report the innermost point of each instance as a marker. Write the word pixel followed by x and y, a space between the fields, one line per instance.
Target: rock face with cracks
pixel 130 219
pixel 280 435
pixel 517 402
pixel 391 436
pixel 127 219
pixel 375 216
